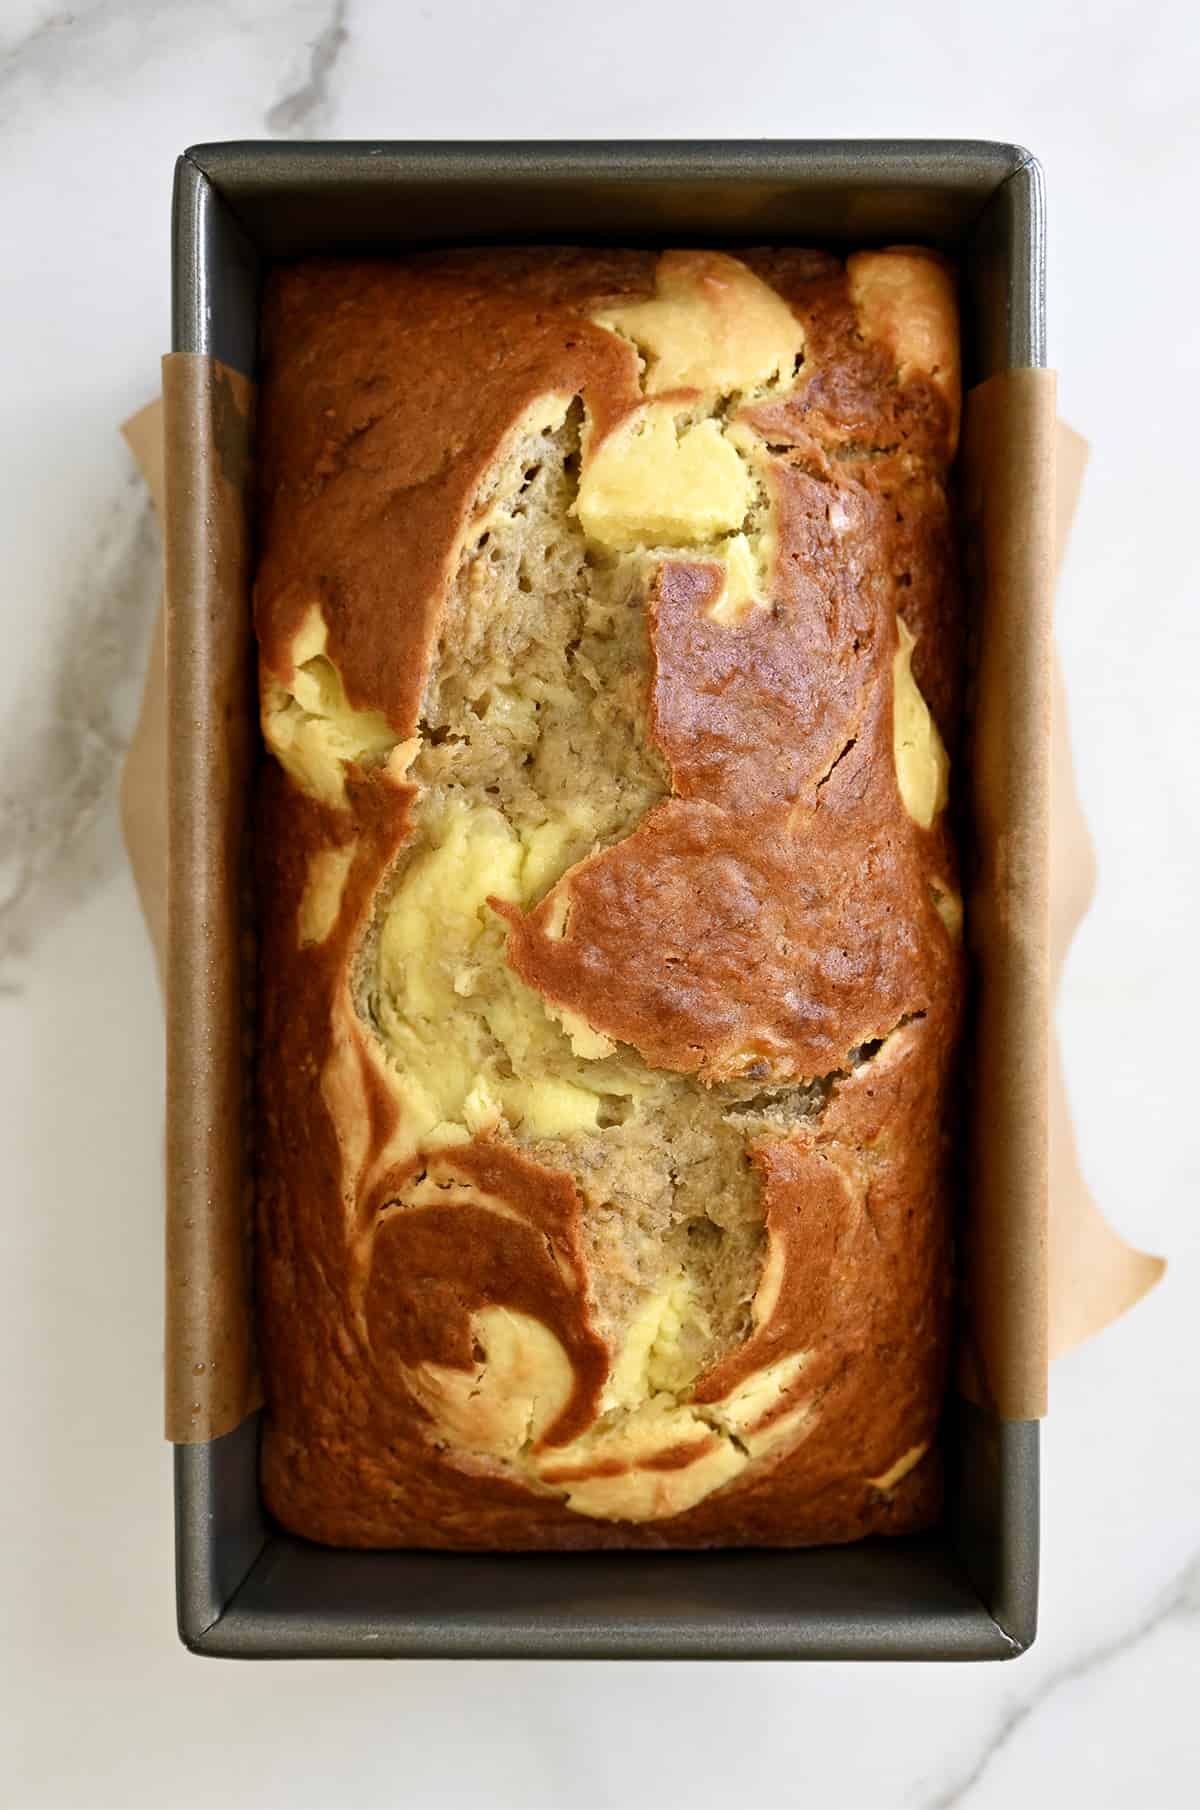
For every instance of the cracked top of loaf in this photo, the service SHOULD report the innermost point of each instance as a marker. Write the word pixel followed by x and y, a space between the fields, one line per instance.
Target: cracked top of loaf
pixel 610 928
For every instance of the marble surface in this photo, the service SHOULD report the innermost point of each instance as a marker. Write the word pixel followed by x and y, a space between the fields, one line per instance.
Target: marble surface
pixel 98 1705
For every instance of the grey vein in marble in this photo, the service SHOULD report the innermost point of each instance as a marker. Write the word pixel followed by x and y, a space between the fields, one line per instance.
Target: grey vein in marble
pixel 1180 1601
pixel 11 49
pixel 60 755
pixel 298 113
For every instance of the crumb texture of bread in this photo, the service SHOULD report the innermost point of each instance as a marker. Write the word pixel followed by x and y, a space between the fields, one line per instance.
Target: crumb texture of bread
pixel 611 940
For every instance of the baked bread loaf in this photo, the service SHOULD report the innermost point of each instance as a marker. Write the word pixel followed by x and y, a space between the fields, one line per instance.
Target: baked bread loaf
pixel 610 929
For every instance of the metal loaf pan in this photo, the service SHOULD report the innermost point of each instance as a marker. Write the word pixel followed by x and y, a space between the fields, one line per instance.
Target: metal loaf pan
pixel 968 1591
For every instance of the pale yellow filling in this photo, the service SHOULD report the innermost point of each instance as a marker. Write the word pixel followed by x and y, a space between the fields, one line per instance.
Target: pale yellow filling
pixel 949 907
pixel 906 1462
pixel 468 1040
pixel 521 1380
pixel 745 1413
pixel 661 481
pixel 319 907
pixel 668 477
pixel 509 1397
pixel 741 587
pixel 662 1347
pixel 636 1492
pixel 922 766
pixel 311 728
pixel 712 326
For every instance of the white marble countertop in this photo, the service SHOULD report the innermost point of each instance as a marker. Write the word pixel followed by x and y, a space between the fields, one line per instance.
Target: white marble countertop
pixel 98 1704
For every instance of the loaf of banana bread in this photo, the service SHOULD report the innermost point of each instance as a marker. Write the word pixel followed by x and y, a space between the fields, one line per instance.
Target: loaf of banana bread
pixel 610 928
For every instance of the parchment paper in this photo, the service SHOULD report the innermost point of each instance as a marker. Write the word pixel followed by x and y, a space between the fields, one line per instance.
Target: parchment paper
pixel 1094 1276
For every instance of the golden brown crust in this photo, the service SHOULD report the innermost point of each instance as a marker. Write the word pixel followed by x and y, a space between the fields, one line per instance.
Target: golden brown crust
pixel 767 919
pixel 775 912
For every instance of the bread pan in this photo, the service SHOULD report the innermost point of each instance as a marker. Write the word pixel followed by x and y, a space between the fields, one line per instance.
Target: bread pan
pixel 245 1588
